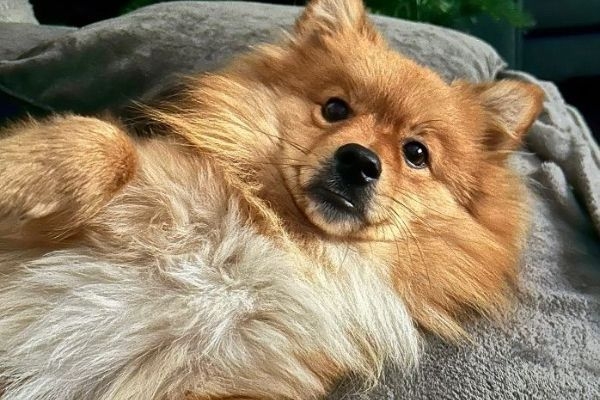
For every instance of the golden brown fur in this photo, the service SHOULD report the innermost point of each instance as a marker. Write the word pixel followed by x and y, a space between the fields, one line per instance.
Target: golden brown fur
pixel 57 174
pixel 447 237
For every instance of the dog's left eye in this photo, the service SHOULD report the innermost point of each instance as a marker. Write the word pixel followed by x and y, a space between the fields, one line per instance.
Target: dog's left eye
pixel 335 109
pixel 415 154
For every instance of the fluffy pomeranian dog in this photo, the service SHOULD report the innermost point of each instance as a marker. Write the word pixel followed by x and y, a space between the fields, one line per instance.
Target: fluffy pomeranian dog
pixel 304 213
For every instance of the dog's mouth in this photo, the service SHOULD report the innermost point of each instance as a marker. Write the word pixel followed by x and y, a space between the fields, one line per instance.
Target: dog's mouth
pixel 334 204
pixel 331 198
pixel 331 203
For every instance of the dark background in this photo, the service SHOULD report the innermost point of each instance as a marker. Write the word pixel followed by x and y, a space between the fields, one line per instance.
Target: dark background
pixel 84 12
pixel 581 91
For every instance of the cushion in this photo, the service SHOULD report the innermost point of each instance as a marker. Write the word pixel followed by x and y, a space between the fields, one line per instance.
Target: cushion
pixel 29 36
pixel 549 348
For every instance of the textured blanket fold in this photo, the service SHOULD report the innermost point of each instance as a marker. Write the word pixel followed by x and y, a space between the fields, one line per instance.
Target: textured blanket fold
pixel 549 348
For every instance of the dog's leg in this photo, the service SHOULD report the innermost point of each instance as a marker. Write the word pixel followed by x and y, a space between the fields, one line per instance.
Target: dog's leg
pixel 57 173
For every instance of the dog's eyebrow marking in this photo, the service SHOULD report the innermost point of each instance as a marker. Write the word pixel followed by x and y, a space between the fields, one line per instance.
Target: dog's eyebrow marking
pixel 428 127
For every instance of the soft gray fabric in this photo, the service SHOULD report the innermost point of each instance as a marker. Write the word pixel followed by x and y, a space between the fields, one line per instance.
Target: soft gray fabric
pixel 561 137
pixel 549 348
pixel 16 11
pixel 28 35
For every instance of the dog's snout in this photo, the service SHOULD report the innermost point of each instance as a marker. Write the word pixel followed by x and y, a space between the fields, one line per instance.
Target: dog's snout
pixel 357 165
pixel 343 186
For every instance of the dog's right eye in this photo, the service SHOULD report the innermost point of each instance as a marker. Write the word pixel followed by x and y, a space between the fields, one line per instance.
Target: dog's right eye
pixel 335 109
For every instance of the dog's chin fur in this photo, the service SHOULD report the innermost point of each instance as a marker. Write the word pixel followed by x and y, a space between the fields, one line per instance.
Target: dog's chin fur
pixel 188 263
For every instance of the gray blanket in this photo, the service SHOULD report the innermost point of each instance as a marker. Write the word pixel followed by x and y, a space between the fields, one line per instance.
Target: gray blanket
pixel 549 348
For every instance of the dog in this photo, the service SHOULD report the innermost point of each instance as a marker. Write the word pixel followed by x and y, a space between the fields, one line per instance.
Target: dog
pixel 306 212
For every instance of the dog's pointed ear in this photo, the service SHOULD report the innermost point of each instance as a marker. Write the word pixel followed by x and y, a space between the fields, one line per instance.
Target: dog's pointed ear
pixel 325 17
pixel 510 108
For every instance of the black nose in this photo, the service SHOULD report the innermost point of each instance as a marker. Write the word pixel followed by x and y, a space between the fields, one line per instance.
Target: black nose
pixel 357 165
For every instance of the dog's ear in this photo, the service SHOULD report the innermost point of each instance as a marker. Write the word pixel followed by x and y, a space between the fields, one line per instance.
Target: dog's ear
pixel 326 17
pixel 510 108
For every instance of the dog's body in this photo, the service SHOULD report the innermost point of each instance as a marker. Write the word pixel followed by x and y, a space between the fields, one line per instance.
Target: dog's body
pixel 175 291
pixel 227 254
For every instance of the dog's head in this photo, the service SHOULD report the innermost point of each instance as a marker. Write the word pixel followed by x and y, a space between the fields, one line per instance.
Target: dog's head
pixel 367 146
